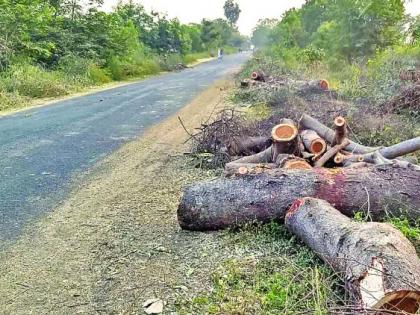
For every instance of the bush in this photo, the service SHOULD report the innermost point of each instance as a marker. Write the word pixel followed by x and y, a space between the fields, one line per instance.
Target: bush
pixel 134 66
pixel 11 101
pixel 34 81
pixel 98 75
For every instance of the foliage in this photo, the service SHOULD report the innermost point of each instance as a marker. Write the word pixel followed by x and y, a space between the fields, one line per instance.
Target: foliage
pixel 69 44
pixel 232 11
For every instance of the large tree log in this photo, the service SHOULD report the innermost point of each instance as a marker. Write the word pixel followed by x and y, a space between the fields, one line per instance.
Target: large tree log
pixel 307 122
pixel 379 265
pixel 222 203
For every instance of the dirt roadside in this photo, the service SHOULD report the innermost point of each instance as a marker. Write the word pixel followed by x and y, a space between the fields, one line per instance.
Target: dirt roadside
pixel 115 242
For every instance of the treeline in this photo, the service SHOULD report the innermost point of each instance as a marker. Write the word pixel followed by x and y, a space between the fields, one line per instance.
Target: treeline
pixel 347 41
pixel 49 47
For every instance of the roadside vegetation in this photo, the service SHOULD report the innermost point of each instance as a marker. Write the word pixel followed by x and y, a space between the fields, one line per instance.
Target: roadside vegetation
pixel 363 49
pixel 53 48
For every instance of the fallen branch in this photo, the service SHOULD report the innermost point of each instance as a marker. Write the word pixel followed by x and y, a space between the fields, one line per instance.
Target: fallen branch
pixel 223 203
pixel 380 266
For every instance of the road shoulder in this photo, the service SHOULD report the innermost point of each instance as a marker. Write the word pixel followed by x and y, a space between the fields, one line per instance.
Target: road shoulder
pixel 115 242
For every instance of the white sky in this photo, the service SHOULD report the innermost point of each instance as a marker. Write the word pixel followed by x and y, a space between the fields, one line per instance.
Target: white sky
pixel 189 11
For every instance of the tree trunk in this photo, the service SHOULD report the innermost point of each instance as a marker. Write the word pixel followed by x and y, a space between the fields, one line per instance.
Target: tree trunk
pixel 379 265
pixel 222 203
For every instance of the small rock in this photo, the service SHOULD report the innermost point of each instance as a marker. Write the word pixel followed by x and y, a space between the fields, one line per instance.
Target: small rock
pixel 153 306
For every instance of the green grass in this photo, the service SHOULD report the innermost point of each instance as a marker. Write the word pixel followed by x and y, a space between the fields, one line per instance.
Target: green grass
pixel 271 274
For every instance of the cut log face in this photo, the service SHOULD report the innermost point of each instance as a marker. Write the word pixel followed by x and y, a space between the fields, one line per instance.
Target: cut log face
pixel 284 132
pixel 380 266
pixel 313 142
pixel 297 164
pixel 379 191
pixel 323 84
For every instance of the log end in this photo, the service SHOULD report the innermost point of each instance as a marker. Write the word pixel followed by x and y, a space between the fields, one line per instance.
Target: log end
pixel 339 158
pixel 284 132
pixel 375 296
pixel 339 121
pixel 318 146
pixel 324 84
pixel 297 164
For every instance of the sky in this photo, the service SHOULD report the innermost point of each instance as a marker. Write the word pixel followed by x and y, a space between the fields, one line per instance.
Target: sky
pixel 189 11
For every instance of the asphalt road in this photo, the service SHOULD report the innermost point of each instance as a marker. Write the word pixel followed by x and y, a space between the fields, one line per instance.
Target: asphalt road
pixel 43 149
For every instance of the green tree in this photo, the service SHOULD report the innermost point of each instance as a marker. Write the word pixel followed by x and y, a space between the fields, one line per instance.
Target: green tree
pixel 232 12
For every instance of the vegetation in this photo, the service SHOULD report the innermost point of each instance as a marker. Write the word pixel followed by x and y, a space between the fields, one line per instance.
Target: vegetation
pixel 53 47
pixel 360 47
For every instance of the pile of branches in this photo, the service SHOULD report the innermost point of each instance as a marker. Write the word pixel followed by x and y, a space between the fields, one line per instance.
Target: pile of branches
pixel 314 179
pixel 227 136
pixel 408 99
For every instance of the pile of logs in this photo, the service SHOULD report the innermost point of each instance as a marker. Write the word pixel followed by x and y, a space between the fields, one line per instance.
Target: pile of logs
pixel 314 178
pixel 260 80
pixel 316 145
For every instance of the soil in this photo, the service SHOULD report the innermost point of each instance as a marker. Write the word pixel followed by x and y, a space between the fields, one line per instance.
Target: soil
pixel 115 243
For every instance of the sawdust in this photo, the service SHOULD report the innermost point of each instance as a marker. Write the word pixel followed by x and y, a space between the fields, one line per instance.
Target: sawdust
pixel 115 242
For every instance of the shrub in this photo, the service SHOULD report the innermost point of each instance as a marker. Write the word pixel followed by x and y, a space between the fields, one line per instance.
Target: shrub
pixel 34 81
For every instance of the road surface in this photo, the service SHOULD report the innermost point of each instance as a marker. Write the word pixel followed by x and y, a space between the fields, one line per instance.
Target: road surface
pixel 44 149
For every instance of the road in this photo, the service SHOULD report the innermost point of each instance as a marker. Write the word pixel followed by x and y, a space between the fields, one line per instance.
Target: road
pixel 44 150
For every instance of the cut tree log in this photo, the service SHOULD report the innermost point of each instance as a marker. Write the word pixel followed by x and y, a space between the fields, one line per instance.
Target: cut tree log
pixel 258 76
pixel 379 265
pixel 248 145
pixel 340 127
pixel 307 122
pixel 285 138
pixel 397 150
pixel 331 153
pixel 377 190
pixel 313 142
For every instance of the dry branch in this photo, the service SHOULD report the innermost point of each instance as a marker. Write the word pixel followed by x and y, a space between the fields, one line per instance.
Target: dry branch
pixel 331 153
pixel 381 190
pixel 380 266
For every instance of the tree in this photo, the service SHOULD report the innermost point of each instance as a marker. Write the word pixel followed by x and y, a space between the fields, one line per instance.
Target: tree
pixel 232 12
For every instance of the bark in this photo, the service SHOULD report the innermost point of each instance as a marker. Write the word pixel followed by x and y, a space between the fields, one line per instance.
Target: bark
pixel 246 168
pixel 248 145
pixel 379 265
pixel 328 134
pixel 222 203
pixel 397 150
pixel 340 127
pixel 313 142
pixel 331 153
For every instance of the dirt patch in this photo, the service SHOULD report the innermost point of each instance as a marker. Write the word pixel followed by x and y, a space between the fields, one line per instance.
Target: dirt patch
pixel 115 242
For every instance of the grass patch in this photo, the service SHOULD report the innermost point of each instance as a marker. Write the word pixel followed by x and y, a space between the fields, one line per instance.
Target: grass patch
pixel 270 273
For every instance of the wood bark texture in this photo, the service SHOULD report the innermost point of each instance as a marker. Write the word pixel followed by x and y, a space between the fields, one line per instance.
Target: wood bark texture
pixel 379 265
pixel 378 191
